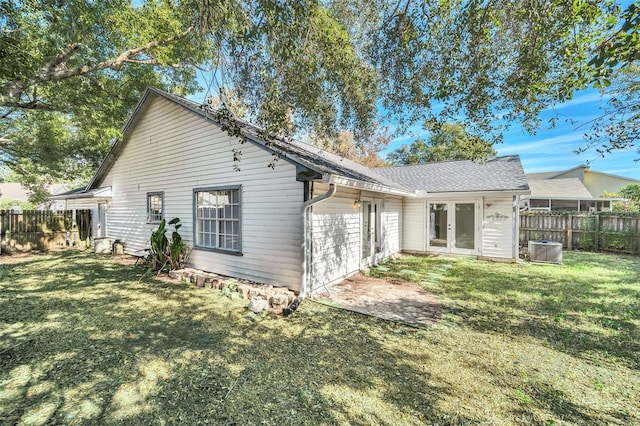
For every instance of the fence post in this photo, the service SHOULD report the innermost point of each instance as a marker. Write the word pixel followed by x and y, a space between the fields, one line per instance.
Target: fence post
pixel 570 233
pixel 596 228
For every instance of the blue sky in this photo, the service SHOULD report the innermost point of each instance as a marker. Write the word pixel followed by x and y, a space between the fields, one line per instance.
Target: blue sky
pixel 552 149
pixel 549 149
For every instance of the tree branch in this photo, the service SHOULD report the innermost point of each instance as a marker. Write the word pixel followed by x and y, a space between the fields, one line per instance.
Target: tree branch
pixel 102 87
pixel 110 63
pixel 54 70
pixel 33 105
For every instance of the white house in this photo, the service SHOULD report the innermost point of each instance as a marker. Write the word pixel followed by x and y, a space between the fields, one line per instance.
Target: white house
pixel 287 213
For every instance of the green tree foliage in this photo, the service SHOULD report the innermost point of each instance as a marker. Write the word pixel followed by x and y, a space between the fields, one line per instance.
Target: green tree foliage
pixel 447 142
pixel 76 68
pixel 632 192
pixel 481 60
pixel 618 128
pixel 616 70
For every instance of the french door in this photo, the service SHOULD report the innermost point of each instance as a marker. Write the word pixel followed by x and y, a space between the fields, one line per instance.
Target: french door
pixel 452 226
pixel 371 230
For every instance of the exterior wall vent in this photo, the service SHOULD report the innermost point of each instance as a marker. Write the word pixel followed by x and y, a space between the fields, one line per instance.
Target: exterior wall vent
pixel 545 251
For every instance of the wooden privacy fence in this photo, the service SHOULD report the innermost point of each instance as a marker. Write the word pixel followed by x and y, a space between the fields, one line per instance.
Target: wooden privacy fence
pixel 602 231
pixel 44 230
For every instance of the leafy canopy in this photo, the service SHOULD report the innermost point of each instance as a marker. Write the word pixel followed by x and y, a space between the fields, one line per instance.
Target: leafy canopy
pixel 301 67
pixel 447 142
pixel 77 68
pixel 632 192
pixel 616 70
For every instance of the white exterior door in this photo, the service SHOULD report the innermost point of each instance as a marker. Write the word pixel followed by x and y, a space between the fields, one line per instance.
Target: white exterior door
pixel 101 225
pixel 371 230
pixel 452 226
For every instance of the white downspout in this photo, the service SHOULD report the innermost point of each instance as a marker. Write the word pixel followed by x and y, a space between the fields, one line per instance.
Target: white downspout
pixel 515 243
pixel 306 237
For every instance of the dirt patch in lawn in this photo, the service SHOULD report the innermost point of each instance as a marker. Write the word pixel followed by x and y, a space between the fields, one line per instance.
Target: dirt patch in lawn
pixel 12 259
pixel 391 299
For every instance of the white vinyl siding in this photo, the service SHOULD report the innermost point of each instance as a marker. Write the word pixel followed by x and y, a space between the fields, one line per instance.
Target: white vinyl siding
pixel 495 240
pixel 414 220
pixel 497 228
pixel 336 237
pixel 392 226
pixel 337 231
pixel 173 149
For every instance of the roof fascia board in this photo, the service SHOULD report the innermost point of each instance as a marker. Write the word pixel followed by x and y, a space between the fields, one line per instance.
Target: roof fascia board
pixel 612 175
pixel 581 166
pixel 95 193
pixel 425 194
pixel 536 197
pixel 358 184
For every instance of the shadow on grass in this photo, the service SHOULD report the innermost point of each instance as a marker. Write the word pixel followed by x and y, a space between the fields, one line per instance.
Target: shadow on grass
pixel 589 307
pixel 574 312
pixel 83 342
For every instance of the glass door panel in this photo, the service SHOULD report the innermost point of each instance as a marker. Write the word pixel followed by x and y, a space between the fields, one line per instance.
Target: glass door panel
pixel 438 225
pixel 465 235
pixel 366 229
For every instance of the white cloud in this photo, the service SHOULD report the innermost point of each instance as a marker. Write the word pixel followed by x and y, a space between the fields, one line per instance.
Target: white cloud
pixel 586 97
pixel 540 145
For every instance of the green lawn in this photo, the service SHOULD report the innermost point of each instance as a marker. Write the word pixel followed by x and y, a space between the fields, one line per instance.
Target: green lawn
pixel 83 341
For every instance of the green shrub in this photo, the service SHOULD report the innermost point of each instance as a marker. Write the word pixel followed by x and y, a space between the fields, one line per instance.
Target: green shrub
pixel 165 254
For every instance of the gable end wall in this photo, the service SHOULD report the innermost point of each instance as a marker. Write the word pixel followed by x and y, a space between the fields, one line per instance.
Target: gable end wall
pixel 174 151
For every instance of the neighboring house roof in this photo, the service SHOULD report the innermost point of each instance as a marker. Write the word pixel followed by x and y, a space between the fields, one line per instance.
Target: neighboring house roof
pixel 568 187
pixel 15 190
pixel 558 174
pixel 541 176
pixel 83 193
pixel 595 183
pixel 496 174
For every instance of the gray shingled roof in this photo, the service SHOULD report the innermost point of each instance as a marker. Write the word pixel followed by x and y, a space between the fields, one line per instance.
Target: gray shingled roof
pixel 542 175
pixel 567 187
pixel 497 174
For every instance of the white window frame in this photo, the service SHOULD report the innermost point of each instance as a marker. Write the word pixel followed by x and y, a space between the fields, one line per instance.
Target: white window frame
pixel 220 227
pixel 152 211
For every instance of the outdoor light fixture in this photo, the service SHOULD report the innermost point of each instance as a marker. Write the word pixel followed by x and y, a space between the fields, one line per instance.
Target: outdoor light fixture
pixel 356 204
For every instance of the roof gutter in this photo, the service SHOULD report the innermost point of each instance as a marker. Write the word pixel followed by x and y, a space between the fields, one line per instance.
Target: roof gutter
pixel 306 238
pixel 368 186
pixel 423 194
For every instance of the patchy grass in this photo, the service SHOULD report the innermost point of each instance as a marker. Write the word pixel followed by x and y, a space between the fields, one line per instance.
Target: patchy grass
pixel 82 341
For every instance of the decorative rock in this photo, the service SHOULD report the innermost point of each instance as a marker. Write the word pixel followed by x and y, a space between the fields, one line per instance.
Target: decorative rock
pixel 254 292
pixel 278 301
pixel 199 280
pixel 243 290
pixel 258 305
